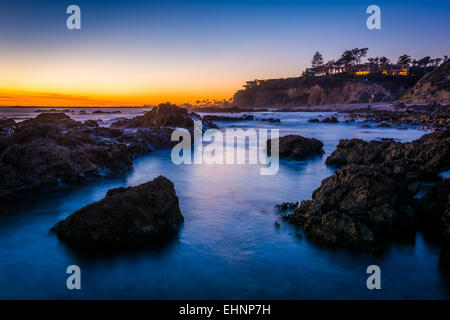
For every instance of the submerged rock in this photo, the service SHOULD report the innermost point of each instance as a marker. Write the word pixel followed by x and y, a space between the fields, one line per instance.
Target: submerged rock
pixel 126 217
pixel 297 147
pixel 271 120
pixel 330 120
pixel 287 206
pixel 356 207
pixel 226 118
pixel 430 116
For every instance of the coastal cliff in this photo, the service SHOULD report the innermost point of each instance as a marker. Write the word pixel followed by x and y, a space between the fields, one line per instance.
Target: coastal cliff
pixel 433 87
pixel 317 91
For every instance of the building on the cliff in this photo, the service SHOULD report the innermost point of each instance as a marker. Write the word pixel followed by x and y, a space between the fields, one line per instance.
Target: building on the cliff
pixel 392 69
pixel 397 70
pixel 253 83
pixel 324 71
pixel 365 69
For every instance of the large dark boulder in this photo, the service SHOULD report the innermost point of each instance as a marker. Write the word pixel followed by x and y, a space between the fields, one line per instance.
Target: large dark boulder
pixel 126 217
pixel 356 207
pixel 297 147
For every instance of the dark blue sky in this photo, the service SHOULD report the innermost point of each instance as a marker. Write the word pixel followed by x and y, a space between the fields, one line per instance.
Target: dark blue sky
pixel 199 47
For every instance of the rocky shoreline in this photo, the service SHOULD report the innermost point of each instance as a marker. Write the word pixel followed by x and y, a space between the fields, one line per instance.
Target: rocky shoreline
pixel 430 117
pixel 370 201
pixel 53 151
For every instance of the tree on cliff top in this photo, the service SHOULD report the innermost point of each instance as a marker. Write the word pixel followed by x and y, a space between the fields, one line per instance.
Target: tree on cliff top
pixel 317 60
pixel 351 58
pixel 404 59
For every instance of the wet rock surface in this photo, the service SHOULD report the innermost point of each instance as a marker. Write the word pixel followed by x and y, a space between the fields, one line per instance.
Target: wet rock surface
pixel 330 120
pixel 297 147
pixel 165 115
pixel 126 217
pixel 6 126
pixel 429 116
pixel 226 118
pixel 356 207
pixel 433 87
pixel 271 120
pixel 424 157
pixel 369 202
pixel 52 150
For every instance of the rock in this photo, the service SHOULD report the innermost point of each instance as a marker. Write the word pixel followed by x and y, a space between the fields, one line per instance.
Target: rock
pixel 53 151
pixel 425 157
pixel 287 206
pixel 165 115
pixel 356 207
pixel 126 217
pixel 297 147
pixel 50 110
pixel 91 123
pixel 100 112
pixel 432 87
pixel 303 91
pixel 330 120
pixel 225 118
pixel 313 120
pixel 427 116
pixel 271 120
pixel 6 126
pixel 357 151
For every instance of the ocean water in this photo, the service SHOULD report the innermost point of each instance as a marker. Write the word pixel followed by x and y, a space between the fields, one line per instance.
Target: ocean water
pixel 229 246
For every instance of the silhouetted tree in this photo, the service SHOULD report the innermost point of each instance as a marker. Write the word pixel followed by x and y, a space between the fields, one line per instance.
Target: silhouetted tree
pixel 384 62
pixel 404 59
pixel 435 62
pixel 375 60
pixel 425 61
pixel 317 60
pixel 359 54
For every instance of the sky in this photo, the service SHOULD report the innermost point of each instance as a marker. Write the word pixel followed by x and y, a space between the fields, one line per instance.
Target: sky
pixel 138 52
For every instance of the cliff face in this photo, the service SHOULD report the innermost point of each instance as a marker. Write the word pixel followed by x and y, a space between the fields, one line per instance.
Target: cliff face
pixel 315 91
pixel 433 87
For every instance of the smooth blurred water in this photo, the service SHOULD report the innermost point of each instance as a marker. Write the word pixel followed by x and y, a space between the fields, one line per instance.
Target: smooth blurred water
pixel 228 247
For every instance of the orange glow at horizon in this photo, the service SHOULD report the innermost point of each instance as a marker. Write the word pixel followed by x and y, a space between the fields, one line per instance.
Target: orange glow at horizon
pixel 25 98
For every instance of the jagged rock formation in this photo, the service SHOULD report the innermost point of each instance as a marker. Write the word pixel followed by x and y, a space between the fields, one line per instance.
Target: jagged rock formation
pixel 356 207
pixel 126 217
pixel 424 157
pixel 433 87
pixel 369 202
pixel 53 150
pixel 165 115
pixel 316 91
